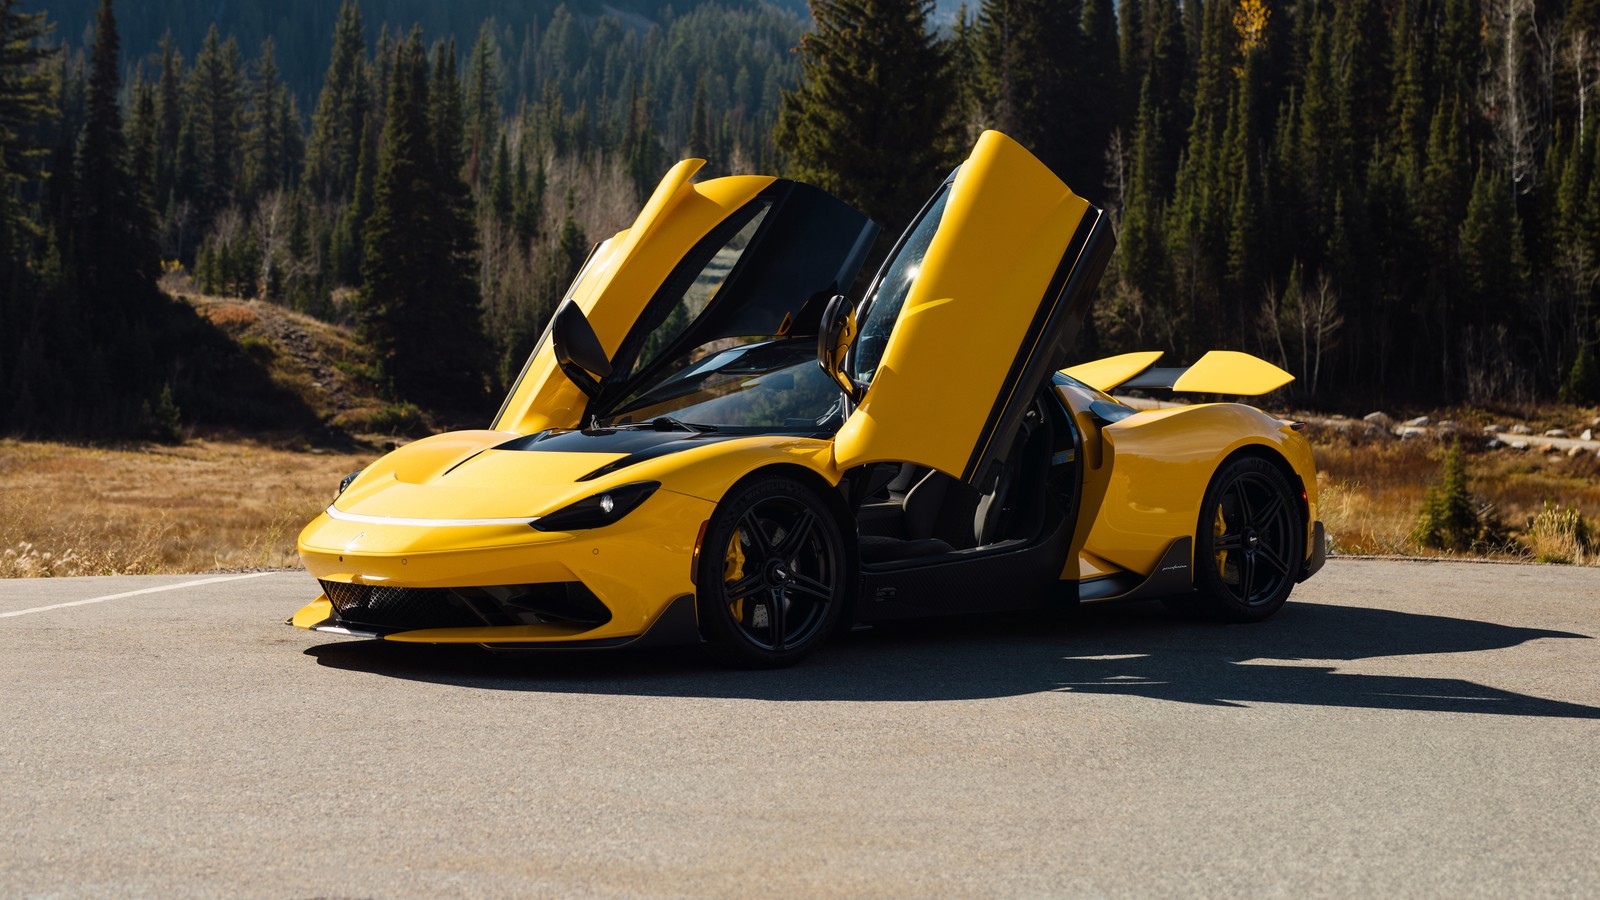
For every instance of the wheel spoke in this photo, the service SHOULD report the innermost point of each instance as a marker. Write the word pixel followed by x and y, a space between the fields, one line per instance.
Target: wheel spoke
pixel 779 613
pixel 744 587
pixel 1247 574
pixel 1226 542
pixel 804 584
pixel 1269 515
pixel 756 535
pixel 1242 500
pixel 796 535
pixel 1270 554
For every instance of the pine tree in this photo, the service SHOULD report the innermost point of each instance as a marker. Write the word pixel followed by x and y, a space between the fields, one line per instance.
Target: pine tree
pixel 333 154
pixel 214 89
pixel 420 305
pixel 114 254
pixel 870 120
pixel 169 123
pixel 25 104
pixel 483 100
pixel 1032 83
pixel 268 148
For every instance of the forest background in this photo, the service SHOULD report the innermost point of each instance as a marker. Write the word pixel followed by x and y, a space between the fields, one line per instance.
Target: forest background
pixel 1398 200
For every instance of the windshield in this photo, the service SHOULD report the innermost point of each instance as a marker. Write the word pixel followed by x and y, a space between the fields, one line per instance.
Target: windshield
pixel 770 386
pixel 889 294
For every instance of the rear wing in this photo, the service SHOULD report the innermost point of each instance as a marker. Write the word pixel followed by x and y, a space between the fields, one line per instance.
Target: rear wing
pixel 1218 372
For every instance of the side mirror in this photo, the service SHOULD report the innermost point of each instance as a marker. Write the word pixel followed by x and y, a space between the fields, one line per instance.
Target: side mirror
pixel 836 333
pixel 578 349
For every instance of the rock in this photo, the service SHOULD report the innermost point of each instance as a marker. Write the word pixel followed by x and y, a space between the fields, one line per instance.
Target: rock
pixel 1588 434
pixel 1549 448
pixel 1494 429
pixel 1378 418
pixel 1419 422
pixel 1494 444
pixel 1408 432
pixel 1519 445
pixel 1557 432
pixel 1595 423
pixel 1573 452
pixel 1519 428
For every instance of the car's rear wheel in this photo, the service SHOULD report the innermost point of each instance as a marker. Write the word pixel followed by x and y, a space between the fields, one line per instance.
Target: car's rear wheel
pixel 773 575
pixel 1250 542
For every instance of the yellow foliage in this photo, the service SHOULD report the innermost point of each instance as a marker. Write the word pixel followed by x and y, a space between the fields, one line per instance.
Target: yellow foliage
pixel 1250 20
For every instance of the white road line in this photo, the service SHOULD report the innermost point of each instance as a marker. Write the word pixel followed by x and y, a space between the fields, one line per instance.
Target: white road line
pixel 154 590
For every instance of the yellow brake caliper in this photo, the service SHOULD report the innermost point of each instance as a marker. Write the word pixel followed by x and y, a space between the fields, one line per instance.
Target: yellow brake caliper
pixel 733 571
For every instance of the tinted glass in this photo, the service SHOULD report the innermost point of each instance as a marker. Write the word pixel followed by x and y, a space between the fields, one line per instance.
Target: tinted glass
pixel 769 386
pixel 889 295
pixel 702 290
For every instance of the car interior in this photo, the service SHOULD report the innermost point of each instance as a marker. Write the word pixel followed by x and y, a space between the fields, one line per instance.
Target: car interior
pixel 910 516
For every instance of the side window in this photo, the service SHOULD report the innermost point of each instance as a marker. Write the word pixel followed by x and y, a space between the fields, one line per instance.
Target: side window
pixel 888 297
pixel 698 293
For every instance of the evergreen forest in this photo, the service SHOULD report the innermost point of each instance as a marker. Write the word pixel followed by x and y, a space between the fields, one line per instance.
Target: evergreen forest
pixel 1397 200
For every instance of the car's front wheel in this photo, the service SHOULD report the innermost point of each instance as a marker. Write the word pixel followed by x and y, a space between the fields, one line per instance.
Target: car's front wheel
pixel 1250 542
pixel 773 574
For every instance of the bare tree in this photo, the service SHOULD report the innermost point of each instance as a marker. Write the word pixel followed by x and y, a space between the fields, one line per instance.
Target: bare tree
pixel 271 221
pixel 1582 54
pixel 1510 24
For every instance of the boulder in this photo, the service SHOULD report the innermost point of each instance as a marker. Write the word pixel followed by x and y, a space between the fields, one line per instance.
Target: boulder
pixel 1573 452
pixel 1519 445
pixel 1419 422
pixel 1378 418
pixel 1557 432
pixel 1549 448
pixel 1588 434
pixel 1408 432
pixel 1494 444
pixel 1494 429
pixel 1520 428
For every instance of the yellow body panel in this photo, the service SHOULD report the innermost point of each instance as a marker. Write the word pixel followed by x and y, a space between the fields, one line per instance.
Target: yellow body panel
pixel 314 613
pixel 1007 222
pixel 1232 372
pixel 636 567
pixel 1156 466
pixel 1105 374
pixel 620 281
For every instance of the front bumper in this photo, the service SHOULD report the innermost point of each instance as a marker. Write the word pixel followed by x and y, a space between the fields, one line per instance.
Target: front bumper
pixel 503 585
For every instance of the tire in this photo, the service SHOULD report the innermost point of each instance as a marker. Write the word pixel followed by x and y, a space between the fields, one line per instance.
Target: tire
pixel 774 575
pixel 1249 543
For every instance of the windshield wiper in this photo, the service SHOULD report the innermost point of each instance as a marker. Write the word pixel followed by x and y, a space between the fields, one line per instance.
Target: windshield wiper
pixel 667 423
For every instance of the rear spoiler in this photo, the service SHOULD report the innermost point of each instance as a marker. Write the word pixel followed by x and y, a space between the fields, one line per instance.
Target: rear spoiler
pixel 1218 372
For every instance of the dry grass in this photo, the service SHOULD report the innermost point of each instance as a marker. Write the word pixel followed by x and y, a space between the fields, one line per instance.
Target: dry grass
pixel 1373 491
pixel 78 510
pixel 69 509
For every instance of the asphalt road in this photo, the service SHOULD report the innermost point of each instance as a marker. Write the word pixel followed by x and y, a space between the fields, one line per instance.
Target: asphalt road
pixel 1400 729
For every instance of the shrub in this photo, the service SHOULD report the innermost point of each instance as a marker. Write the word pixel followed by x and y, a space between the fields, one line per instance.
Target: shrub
pixel 393 418
pixel 163 422
pixel 1562 536
pixel 1449 517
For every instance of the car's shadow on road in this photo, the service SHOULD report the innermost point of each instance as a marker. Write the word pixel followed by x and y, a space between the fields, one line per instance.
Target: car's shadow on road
pixel 1137 650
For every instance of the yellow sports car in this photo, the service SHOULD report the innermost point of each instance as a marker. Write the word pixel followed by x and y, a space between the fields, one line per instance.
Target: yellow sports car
pixel 710 444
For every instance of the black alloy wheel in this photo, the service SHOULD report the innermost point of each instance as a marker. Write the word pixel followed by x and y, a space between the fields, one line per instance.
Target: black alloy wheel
pixel 1250 543
pixel 773 575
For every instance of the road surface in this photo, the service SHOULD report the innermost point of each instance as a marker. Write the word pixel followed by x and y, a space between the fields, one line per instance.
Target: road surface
pixel 1401 728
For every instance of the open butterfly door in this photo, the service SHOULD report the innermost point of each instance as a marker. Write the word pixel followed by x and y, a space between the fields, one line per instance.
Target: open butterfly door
pixel 977 306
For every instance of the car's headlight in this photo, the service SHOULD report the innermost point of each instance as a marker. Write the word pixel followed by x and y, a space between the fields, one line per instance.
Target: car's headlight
pixel 345 481
pixel 599 510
